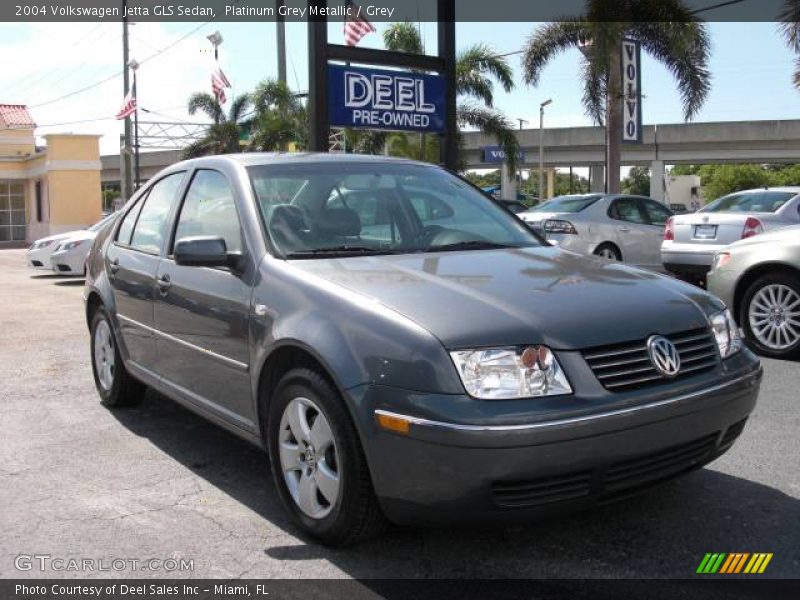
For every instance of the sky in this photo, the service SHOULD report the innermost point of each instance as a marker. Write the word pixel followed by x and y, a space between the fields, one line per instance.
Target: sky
pixel 751 66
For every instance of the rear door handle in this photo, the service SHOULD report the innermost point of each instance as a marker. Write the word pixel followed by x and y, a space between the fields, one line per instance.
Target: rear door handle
pixel 114 266
pixel 164 284
pixel 624 229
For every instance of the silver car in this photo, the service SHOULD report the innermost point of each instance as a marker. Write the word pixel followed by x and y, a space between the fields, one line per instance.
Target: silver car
pixel 618 227
pixel 759 279
pixel 690 241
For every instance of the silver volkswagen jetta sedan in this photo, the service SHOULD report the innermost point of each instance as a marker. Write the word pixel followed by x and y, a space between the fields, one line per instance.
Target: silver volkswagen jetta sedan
pixel 690 241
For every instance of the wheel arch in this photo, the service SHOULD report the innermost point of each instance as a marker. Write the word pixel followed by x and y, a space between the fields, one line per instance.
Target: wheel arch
pixel 93 302
pixel 613 245
pixel 752 274
pixel 290 354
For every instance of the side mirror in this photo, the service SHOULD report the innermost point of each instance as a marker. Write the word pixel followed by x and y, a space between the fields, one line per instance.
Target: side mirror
pixel 205 252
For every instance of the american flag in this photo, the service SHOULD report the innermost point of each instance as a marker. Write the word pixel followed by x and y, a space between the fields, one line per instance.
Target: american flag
pixel 218 84
pixel 128 105
pixel 355 26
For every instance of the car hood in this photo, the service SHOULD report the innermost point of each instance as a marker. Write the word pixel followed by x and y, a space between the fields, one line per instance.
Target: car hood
pixel 53 238
pixel 77 236
pixel 521 296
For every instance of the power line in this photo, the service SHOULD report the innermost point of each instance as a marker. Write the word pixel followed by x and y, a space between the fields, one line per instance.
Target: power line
pixel 716 6
pixel 115 75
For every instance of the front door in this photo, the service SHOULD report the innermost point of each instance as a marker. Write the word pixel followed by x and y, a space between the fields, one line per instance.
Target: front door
pixel 132 262
pixel 201 313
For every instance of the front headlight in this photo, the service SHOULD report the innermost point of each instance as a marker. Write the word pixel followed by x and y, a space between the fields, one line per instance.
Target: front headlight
pixel 726 333
pixel 504 373
pixel 71 245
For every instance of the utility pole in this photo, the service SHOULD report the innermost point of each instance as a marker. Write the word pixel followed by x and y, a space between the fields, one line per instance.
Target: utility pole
pixel 541 147
pixel 126 176
pixel 614 120
pixel 519 186
pixel 280 30
pixel 133 67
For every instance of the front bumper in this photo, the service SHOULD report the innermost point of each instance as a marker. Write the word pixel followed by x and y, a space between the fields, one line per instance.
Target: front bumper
pixel 694 259
pixel 68 262
pixel 444 471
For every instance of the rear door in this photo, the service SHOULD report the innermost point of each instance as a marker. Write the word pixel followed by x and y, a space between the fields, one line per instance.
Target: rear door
pixel 632 228
pixel 132 262
pixel 657 216
pixel 202 314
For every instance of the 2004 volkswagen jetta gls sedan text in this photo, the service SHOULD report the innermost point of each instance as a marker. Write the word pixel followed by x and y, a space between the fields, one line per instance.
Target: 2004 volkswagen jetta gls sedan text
pixel 403 346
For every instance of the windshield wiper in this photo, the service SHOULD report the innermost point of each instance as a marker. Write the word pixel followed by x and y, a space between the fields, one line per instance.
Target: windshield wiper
pixel 345 250
pixel 471 245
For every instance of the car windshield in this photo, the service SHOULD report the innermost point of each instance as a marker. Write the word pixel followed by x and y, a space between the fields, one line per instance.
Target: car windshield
pixel 343 208
pixel 566 204
pixel 747 202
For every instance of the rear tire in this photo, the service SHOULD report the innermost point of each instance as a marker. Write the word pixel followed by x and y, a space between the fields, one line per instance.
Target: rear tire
pixel 114 384
pixel 770 315
pixel 315 450
pixel 608 251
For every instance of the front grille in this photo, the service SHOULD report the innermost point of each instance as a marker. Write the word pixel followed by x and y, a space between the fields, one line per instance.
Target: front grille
pixel 627 365
pixel 635 474
pixel 541 491
pixel 615 481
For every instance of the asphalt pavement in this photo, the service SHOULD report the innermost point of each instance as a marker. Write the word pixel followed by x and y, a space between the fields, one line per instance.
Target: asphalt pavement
pixel 157 482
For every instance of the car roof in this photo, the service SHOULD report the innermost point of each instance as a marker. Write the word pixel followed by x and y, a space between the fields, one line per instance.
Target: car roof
pixel 792 189
pixel 249 159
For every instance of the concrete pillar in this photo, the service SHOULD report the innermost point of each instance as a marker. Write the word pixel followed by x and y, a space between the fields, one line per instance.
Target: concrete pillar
pixel 597 179
pixel 551 183
pixel 657 180
pixel 508 183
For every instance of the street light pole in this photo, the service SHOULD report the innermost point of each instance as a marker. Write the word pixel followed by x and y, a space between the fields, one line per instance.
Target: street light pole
pixel 519 185
pixel 137 180
pixel 541 147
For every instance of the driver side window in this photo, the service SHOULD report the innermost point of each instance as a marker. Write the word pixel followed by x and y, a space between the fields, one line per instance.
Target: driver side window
pixel 210 210
pixel 627 209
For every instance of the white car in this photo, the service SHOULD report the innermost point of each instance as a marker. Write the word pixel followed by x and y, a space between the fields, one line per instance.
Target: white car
pixel 38 256
pixel 66 252
pixel 69 256
pixel 614 226
pixel 691 241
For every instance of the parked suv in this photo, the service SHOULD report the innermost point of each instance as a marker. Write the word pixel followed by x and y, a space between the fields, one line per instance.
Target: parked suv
pixel 403 347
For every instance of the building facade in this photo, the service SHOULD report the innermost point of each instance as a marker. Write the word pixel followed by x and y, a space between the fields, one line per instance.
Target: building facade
pixel 45 190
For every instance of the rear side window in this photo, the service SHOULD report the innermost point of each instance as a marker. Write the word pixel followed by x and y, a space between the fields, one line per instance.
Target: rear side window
pixel 148 234
pixel 627 209
pixel 210 210
pixel 656 213
pixel 126 228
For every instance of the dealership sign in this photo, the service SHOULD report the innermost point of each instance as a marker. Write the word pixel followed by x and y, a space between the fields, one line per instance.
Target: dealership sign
pixel 632 92
pixel 496 155
pixel 381 99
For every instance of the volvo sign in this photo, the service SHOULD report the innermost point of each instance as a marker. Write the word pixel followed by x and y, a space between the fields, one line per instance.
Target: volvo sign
pixel 381 99
pixel 631 92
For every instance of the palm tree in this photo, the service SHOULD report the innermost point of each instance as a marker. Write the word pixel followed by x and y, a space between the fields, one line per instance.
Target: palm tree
pixel 667 30
pixel 790 26
pixel 224 133
pixel 280 118
pixel 477 69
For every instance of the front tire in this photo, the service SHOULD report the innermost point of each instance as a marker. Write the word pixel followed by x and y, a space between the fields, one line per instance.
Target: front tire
pixel 114 384
pixel 317 461
pixel 770 315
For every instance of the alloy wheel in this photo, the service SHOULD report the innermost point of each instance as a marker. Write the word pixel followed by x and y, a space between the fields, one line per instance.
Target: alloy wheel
pixel 774 316
pixel 308 455
pixel 104 355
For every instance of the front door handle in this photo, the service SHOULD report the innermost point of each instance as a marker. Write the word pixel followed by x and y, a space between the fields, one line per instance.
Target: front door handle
pixel 624 229
pixel 164 284
pixel 114 266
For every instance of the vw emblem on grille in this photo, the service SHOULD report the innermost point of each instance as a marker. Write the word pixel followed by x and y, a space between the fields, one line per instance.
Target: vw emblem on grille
pixel 664 355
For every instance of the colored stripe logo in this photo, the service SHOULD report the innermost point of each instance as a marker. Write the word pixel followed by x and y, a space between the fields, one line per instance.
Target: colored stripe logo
pixel 734 563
